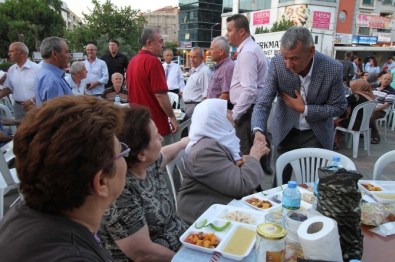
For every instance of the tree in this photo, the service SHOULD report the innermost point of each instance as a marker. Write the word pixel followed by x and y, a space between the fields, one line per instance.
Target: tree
pixel 105 22
pixel 29 21
pixel 281 25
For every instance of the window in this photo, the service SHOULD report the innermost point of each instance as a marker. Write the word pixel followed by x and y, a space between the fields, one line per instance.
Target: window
pixel 368 2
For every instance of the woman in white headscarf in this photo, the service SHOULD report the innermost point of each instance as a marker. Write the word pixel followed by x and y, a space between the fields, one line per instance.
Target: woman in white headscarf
pixel 215 171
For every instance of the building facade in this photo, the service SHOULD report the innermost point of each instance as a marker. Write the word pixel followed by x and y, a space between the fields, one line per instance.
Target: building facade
pixel 199 20
pixel 166 19
pixel 71 19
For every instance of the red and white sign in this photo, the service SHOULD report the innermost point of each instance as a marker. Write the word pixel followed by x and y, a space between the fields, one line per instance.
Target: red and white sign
pixel 261 18
pixel 321 20
pixel 374 21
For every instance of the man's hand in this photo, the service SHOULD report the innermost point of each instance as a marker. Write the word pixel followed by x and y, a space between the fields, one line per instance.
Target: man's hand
pixel 5 92
pixel 27 105
pixel 259 137
pixel 259 149
pixel 174 124
pixel 93 85
pixel 295 103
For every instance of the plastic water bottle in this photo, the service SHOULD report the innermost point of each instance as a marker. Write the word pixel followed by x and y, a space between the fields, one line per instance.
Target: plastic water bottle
pixel 335 164
pixel 117 100
pixel 291 197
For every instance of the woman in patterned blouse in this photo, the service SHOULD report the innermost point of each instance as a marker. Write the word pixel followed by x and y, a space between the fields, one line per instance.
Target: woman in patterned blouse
pixel 142 224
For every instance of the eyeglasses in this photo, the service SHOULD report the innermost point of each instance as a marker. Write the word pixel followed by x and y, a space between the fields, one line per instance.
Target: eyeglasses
pixel 124 151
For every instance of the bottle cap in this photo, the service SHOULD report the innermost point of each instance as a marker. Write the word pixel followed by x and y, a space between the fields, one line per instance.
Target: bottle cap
pixel 292 184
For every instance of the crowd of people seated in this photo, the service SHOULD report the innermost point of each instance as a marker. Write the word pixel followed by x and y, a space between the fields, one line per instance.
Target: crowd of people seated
pixel 378 85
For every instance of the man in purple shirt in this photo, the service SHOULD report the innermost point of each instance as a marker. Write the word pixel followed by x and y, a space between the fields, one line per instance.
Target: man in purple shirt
pixel 50 82
pixel 220 82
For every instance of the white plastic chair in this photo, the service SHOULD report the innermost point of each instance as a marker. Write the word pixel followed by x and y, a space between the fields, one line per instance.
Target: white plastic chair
pixel 382 162
pixel 384 120
pixel 177 162
pixel 177 136
pixel 8 179
pixel 306 161
pixel 8 101
pixel 174 98
pixel 392 117
pixel 368 108
pixel 6 113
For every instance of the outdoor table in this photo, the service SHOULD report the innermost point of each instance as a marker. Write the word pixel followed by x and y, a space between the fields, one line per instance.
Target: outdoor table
pixel 375 247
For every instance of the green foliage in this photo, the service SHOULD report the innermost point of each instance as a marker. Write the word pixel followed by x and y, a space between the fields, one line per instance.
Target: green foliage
pixel 260 30
pixel 5 66
pixel 29 21
pixel 173 46
pixel 105 22
pixel 281 25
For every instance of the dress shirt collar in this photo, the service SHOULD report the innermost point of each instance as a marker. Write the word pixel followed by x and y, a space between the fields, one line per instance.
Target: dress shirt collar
pixel 310 71
pixel 53 68
pixel 240 47
pixel 197 69
pixel 218 65
pixel 25 65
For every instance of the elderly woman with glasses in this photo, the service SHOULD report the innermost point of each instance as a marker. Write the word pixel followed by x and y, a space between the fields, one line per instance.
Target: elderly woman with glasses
pixel 69 162
pixel 142 224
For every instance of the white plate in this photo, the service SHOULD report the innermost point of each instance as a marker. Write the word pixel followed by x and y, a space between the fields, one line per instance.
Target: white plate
pixel 242 237
pixel 217 214
pixel 261 197
pixel 383 197
pixel 242 215
pixel 221 235
pixel 385 186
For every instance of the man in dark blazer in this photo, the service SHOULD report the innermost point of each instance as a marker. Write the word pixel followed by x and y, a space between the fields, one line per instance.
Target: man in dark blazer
pixel 310 92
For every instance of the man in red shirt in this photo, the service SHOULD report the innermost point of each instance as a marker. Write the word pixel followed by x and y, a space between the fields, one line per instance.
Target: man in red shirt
pixel 147 83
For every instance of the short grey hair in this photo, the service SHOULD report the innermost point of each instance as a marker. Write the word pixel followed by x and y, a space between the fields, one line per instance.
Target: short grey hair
pixel 115 74
pixel 148 34
pixel 297 34
pixel 49 44
pixel 76 67
pixel 200 50
pixel 222 43
pixel 168 50
pixel 22 47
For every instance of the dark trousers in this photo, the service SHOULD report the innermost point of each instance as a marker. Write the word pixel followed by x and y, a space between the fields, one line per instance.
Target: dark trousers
pixel 243 132
pixel 294 140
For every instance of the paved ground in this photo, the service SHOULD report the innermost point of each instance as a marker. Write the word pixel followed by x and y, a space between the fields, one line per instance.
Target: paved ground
pixel 364 163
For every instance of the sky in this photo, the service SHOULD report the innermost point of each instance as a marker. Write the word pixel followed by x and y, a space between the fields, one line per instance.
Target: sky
pixel 79 6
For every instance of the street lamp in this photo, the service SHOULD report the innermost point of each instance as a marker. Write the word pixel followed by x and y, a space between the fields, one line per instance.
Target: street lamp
pixel 212 27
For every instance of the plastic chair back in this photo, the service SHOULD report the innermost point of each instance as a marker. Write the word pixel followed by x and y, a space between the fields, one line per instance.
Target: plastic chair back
pixel 8 180
pixel 368 108
pixel 174 98
pixel 6 113
pixel 382 162
pixel 177 162
pixel 177 136
pixel 306 161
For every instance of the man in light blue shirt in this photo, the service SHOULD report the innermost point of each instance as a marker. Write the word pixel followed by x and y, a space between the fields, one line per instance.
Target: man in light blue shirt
pixel 50 82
